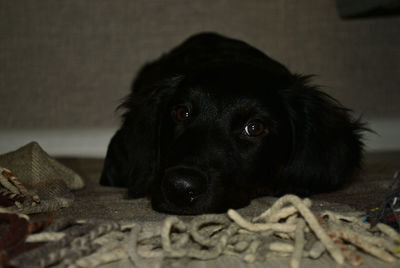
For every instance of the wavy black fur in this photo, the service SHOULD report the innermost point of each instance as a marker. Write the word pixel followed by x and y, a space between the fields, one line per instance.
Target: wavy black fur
pixel 310 144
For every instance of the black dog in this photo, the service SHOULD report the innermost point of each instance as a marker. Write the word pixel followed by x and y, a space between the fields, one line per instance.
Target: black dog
pixel 215 120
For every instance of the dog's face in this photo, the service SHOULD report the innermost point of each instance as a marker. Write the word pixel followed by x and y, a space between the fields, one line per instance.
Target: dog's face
pixel 217 134
pixel 211 123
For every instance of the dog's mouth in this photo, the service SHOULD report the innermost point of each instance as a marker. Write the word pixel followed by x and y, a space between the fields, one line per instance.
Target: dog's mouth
pixel 190 191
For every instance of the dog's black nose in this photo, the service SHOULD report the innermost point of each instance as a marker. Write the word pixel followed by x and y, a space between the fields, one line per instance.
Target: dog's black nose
pixel 183 186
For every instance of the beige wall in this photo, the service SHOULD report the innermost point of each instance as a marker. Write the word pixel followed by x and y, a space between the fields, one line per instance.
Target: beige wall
pixel 67 63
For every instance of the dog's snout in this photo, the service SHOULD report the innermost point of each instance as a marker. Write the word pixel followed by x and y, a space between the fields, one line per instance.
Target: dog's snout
pixel 183 186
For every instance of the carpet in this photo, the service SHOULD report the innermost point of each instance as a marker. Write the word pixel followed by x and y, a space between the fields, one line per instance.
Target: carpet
pixel 102 207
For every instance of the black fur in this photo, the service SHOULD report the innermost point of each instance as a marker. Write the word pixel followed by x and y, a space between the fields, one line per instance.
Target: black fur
pixel 310 143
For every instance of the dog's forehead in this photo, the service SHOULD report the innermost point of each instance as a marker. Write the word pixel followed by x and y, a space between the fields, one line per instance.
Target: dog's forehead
pixel 219 102
pixel 231 88
pixel 233 80
pixel 240 92
pixel 221 96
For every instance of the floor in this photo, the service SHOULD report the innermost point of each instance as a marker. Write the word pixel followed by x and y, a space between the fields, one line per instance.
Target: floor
pixel 112 203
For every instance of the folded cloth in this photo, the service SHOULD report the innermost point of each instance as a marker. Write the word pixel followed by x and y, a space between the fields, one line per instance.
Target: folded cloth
pixel 31 181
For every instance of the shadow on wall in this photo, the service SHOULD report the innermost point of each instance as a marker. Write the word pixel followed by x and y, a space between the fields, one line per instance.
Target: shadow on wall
pixel 367 8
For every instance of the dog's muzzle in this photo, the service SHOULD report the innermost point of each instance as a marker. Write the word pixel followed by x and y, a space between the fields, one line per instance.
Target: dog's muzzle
pixel 182 186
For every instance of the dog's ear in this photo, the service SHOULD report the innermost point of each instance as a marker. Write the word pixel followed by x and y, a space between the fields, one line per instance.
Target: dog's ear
pixel 133 153
pixel 326 141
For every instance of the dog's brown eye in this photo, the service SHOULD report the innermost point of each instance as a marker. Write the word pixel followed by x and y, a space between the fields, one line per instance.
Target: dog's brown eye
pixel 254 129
pixel 180 114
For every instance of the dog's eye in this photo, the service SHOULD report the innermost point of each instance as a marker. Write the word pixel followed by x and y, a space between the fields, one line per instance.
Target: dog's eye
pixel 180 114
pixel 254 129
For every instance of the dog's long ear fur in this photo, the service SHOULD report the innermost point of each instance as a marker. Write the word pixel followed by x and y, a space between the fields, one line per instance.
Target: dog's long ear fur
pixel 133 153
pixel 326 141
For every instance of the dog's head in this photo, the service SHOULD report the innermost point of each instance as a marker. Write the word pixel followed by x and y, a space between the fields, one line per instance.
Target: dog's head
pixel 209 138
pixel 222 133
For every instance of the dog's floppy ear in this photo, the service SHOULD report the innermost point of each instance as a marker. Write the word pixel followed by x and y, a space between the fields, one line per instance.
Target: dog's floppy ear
pixel 133 153
pixel 326 140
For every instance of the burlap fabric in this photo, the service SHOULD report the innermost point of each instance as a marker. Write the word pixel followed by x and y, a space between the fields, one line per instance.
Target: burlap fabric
pixel 43 177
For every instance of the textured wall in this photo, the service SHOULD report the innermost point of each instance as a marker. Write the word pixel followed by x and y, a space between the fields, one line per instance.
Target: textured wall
pixel 67 63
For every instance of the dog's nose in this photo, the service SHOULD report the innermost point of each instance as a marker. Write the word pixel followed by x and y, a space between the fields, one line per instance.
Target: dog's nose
pixel 183 188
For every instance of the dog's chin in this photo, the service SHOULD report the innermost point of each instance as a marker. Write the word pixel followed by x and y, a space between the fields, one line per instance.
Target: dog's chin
pixel 172 209
pixel 200 206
